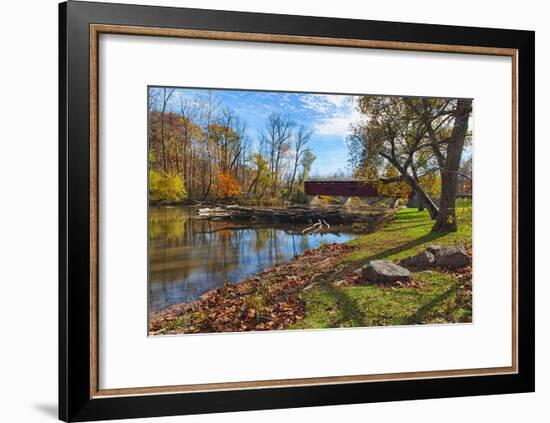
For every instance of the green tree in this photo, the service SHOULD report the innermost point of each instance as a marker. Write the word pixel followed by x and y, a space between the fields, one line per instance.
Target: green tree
pixel 412 133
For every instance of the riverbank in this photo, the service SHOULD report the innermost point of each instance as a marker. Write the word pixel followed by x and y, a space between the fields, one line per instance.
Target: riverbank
pixel 247 202
pixel 322 287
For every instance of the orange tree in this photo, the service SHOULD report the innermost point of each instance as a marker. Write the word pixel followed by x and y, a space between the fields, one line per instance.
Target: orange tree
pixel 229 186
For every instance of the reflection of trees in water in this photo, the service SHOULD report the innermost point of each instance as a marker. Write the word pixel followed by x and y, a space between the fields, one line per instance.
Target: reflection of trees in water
pixel 189 256
pixel 167 226
pixel 261 240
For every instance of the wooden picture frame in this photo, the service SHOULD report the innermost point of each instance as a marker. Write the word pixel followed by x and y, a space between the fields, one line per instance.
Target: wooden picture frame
pixel 80 398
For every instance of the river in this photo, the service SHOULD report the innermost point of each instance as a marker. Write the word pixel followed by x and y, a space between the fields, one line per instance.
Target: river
pixel 189 256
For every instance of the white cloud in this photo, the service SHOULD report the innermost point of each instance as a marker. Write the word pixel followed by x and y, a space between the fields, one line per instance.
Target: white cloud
pixel 338 124
pixel 333 126
pixel 325 103
pixel 334 113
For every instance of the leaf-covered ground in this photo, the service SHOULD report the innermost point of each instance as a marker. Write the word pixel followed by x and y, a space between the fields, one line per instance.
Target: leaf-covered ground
pixel 265 301
pixel 321 288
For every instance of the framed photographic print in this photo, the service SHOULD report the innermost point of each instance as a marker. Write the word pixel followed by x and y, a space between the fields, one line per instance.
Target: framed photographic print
pixel 266 211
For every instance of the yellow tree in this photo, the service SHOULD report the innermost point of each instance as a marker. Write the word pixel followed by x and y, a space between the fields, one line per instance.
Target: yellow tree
pixel 399 190
pixel 166 187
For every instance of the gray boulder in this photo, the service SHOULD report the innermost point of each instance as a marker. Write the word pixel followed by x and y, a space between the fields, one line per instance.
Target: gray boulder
pixel 420 261
pixel 452 257
pixel 434 249
pixel 384 271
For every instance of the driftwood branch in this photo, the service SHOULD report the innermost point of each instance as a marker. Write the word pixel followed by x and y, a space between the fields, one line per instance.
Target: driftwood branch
pixel 316 227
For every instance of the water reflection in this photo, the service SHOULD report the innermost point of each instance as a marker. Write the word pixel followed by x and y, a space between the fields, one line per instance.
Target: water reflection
pixel 190 256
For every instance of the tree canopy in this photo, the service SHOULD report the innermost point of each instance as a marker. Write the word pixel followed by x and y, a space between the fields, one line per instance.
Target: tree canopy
pixel 421 139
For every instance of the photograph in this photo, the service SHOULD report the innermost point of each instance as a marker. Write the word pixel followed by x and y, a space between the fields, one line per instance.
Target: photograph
pixel 274 210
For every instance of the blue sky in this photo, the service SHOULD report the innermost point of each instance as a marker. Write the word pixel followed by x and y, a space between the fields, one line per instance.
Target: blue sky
pixel 329 116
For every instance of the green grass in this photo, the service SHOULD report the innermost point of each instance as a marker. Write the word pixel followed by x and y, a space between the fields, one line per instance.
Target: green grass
pixel 442 297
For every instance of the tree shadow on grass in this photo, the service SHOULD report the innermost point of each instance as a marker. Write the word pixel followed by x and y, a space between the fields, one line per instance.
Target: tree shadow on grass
pixel 400 228
pixel 350 311
pixel 347 306
pixel 351 314
pixel 403 247
pixel 420 315
pixel 411 219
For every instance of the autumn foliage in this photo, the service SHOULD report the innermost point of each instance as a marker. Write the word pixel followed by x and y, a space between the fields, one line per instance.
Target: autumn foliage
pixel 229 186
pixel 266 301
pixel 166 186
pixel 217 156
pixel 396 190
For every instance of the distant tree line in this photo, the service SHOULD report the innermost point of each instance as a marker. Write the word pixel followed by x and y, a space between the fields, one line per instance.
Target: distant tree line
pixel 200 149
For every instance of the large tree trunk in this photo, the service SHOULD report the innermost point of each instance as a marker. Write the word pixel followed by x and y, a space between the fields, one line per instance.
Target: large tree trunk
pixel 420 204
pixel 423 198
pixel 415 186
pixel 446 221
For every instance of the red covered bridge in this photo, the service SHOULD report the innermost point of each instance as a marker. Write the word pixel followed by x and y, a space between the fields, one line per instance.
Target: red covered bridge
pixel 343 188
pixel 340 188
